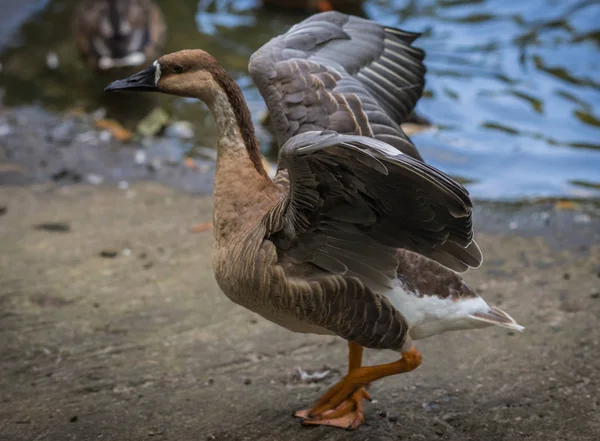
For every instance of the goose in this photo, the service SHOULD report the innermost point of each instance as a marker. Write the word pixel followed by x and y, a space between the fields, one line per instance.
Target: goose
pixel 356 235
pixel 118 33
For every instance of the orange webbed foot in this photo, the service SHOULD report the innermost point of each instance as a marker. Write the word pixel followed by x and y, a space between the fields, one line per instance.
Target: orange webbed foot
pixel 348 414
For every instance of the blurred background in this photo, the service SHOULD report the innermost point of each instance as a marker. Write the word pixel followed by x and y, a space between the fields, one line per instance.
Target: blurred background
pixel 512 94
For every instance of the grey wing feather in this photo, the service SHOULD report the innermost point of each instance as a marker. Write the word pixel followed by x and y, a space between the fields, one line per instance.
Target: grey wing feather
pixel 342 73
pixel 353 201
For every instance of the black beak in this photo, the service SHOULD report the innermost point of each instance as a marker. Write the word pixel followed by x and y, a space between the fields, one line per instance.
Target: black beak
pixel 143 81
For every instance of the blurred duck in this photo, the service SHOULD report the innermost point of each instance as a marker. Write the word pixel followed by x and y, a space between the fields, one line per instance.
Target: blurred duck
pixel 119 33
pixel 314 5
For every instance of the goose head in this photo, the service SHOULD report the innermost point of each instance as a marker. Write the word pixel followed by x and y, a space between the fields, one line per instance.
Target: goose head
pixel 189 73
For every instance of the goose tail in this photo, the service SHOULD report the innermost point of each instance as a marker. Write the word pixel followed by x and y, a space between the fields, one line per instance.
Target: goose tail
pixel 495 316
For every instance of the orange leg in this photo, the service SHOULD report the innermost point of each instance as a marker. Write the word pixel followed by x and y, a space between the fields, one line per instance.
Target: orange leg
pixel 342 405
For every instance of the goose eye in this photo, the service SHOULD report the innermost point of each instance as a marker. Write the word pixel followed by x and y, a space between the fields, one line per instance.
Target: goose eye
pixel 177 69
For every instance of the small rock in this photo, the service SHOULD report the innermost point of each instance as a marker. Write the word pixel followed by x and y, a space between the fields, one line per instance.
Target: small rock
pixel 154 122
pixel 393 418
pixel 5 130
pixel 62 132
pixel 566 276
pixel 94 179
pixel 54 227
pixel 52 60
pixel 155 164
pixel 99 113
pixel 3 210
pixel 66 175
pixel 123 185
pixel 73 419
pixel 582 218
pixel 247 381
pixel 595 295
pixel 140 157
pixel 104 136
pixel 431 406
pixel 126 252
pixel 181 130
pixel 205 153
pixel 109 253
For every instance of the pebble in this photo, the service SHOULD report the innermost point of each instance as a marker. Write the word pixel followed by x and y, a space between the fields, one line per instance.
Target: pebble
pixel 54 227
pixel 205 153
pixel 109 253
pixel 104 136
pixel 52 60
pixel 94 179
pixel 140 157
pixel 5 129
pixel 181 130
pixel 62 132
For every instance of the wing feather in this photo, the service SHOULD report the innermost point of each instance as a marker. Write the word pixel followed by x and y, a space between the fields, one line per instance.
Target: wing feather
pixel 354 200
pixel 351 75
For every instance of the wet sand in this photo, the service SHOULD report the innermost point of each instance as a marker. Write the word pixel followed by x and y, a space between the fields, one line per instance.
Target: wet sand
pixel 113 328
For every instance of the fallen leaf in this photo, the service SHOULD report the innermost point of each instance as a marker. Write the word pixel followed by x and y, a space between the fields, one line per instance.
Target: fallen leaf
pixel 200 228
pixel 115 129
pixel 190 163
pixel 565 205
pixel 76 111
pixel 154 122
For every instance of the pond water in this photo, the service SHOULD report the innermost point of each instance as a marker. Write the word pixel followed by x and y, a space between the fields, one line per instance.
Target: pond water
pixel 513 86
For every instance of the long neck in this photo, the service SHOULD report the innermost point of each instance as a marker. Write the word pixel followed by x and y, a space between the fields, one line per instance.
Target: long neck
pixel 236 138
pixel 242 185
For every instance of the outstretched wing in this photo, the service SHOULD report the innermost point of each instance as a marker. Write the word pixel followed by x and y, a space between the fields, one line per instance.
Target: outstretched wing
pixel 353 201
pixel 341 73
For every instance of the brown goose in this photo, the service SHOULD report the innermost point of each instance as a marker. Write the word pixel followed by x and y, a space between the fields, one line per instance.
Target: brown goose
pixel 118 33
pixel 355 236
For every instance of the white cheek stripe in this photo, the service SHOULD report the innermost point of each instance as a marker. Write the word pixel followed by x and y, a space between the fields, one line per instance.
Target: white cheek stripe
pixel 157 72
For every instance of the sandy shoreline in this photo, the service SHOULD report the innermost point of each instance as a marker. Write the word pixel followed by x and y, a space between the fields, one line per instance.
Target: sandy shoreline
pixel 143 345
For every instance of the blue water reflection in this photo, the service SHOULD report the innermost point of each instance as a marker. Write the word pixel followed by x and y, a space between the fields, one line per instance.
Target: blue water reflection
pixel 513 86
